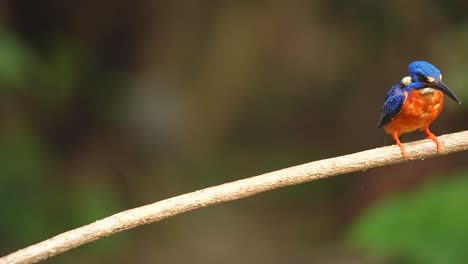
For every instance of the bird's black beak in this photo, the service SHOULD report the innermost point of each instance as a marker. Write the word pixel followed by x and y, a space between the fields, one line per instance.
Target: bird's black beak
pixel 439 85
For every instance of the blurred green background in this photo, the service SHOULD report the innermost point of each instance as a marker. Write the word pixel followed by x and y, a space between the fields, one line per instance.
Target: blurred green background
pixel 108 105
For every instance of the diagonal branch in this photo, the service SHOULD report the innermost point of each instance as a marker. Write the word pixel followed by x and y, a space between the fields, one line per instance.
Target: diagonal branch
pixel 158 211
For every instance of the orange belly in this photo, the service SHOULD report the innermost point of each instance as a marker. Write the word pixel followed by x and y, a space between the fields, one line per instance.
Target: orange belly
pixel 418 111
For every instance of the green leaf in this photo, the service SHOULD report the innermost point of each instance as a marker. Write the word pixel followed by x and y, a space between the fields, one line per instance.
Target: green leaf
pixel 429 226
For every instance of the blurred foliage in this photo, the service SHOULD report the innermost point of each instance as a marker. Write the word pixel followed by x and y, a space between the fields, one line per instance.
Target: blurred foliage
pixel 425 226
pixel 57 76
pixel 22 163
pixel 16 60
pixel 33 213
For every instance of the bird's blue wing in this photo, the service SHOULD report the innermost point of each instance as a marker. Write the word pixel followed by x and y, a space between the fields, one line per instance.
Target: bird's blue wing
pixel 392 106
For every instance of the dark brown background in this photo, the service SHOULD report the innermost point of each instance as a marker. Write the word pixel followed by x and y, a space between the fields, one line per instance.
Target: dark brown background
pixel 107 105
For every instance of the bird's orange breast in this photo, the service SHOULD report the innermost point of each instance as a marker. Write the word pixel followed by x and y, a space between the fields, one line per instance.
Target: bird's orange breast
pixel 421 108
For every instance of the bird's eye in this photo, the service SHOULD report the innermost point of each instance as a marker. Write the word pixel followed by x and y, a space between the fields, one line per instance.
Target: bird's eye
pixel 421 77
pixel 430 79
pixel 406 80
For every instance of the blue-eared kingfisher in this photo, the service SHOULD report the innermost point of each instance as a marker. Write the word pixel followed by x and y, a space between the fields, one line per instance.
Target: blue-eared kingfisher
pixel 415 103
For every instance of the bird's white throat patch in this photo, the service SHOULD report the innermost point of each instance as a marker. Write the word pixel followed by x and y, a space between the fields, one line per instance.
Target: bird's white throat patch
pixel 406 80
pixel 428 90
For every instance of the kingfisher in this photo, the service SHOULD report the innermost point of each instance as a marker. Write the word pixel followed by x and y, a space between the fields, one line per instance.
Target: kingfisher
pixel 414 103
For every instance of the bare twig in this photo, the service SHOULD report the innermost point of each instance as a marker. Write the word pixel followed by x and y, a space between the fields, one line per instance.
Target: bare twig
pixel 360 161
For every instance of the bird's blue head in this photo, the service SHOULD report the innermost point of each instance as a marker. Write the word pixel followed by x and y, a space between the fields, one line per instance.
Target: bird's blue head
pixel 422 74
pixel 421 71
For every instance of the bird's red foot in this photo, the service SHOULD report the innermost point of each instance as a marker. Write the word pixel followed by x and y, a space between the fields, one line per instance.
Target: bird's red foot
pixel 432 137
pixel 402 147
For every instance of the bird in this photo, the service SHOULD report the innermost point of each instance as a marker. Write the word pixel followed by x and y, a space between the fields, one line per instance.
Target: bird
pixel 414 103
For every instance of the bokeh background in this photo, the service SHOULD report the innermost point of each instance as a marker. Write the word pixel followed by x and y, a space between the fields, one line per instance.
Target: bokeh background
pixel 109 105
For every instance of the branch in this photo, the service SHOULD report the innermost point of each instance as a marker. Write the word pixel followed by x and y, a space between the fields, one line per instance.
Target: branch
pixel 158 211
